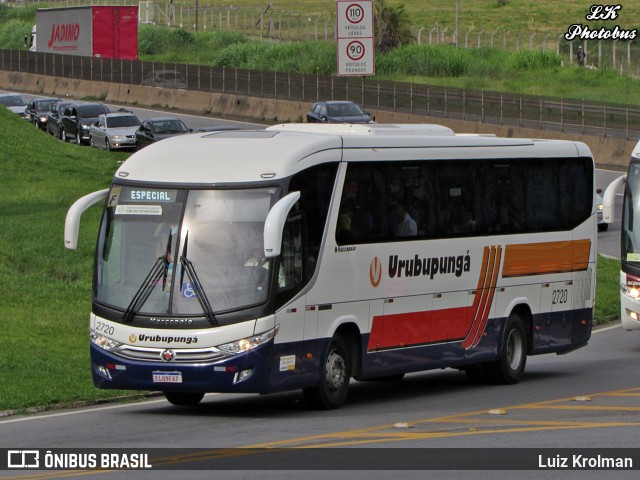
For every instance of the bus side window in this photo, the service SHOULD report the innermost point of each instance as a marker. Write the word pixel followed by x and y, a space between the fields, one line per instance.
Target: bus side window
pixel 291 271
pixel 315 185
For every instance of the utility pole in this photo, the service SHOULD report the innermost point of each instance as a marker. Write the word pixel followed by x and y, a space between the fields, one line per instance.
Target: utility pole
pixel 196 15
pixel 457 22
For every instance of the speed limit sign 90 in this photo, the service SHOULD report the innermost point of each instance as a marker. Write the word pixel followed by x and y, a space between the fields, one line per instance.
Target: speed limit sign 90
pixel 355 57
pixel 355 50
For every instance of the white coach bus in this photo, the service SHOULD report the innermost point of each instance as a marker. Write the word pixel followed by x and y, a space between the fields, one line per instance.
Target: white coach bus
pixel 301 256
pixel 629 239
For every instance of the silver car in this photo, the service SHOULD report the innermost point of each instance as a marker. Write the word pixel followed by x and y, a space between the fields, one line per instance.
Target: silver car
pixel 114 131
pixel 14 103
pixel 602 225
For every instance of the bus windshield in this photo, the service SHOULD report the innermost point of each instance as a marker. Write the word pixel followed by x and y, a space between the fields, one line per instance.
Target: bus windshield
pixel 631 232
pixel 188 252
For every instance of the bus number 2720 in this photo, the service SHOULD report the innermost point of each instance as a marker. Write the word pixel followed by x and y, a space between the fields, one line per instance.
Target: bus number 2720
pixel 104 328
pixel 560 296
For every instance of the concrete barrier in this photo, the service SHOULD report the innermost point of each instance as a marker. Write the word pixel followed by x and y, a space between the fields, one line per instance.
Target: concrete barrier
pixel 609 153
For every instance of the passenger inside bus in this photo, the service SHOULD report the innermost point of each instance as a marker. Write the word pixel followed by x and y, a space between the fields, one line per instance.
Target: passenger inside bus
pixel 406 226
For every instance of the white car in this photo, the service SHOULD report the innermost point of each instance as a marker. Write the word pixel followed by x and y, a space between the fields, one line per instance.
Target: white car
pixel 602 225
pixel 14 103
pixel 114 131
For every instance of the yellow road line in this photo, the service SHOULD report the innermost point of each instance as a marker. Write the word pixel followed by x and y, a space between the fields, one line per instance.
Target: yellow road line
pixel 477 420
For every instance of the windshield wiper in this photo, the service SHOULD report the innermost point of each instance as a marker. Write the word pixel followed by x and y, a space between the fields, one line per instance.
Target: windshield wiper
pixel 158 270
pixel 187 265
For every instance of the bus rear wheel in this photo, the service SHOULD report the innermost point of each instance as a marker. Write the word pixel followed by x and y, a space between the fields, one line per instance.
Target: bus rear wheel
pixel 184 398
pixel 332 391
pixel 509 368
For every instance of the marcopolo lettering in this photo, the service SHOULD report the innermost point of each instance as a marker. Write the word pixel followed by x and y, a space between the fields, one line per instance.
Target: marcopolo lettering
pixel 429 266
pixel 170 322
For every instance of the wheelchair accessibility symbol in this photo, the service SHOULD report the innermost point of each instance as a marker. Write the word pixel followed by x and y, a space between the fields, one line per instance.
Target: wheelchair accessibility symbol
pixel 188 291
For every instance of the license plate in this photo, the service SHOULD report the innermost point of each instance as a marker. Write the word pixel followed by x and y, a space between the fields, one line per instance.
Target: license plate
pixel 167 377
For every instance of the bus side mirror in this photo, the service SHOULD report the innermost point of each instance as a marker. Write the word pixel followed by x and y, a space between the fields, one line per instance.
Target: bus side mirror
pixel 274 224
pixel 72 222
pixel 609 199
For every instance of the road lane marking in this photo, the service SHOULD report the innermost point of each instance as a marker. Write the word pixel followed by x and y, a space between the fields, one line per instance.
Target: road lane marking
pixel 495 425
pixel 463 424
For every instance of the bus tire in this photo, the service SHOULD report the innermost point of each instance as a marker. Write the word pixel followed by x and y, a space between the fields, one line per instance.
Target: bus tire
pixel 332 391
pixel 184 398
pixel 509 368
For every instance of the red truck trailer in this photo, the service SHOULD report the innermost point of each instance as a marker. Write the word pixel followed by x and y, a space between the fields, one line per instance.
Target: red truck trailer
pixel 96 31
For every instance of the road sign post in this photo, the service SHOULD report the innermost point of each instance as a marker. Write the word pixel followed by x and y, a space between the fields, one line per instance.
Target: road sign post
pixel 356 51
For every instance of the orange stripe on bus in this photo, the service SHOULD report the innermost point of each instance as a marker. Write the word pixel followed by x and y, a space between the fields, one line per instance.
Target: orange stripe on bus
pixel 484 281
pixel 484 296
pixel 547 257
pixel 489 301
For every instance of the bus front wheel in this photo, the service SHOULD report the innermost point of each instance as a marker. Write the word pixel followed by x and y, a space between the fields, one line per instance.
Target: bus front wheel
pixel 509 368
pixel 332 390
pixel 184 398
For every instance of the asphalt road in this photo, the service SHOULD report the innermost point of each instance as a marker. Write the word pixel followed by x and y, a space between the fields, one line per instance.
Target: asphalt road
pixel 588 399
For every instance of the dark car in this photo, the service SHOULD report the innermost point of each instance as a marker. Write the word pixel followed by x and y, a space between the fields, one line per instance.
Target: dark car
pixel 77 119
pixel 38 109
pixel 14 102
pixel 54 118
pixel 338 111
pixel 156 129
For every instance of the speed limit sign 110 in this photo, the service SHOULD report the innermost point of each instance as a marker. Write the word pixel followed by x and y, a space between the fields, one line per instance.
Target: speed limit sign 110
pixel 354 18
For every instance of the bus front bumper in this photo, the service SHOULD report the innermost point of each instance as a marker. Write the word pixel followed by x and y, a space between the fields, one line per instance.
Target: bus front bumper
pixel 243 373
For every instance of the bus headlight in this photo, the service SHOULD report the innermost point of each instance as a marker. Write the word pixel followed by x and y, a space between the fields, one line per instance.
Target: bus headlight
pixel 631 292
pixel 249 343
pixel 103 342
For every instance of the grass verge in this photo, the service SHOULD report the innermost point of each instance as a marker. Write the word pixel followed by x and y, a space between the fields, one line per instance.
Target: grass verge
pixel 46 290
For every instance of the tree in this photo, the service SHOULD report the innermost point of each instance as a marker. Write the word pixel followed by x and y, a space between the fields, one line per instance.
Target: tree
pixel 392 26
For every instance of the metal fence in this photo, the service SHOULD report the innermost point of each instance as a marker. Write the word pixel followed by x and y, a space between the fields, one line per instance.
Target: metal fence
pixel 529 111
pixel 267 23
